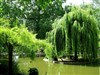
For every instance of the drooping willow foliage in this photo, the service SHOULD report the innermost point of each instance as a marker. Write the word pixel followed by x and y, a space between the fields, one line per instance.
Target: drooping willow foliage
pixel 77 32
pixel 82 34
pixel 57 37
pixel 60 40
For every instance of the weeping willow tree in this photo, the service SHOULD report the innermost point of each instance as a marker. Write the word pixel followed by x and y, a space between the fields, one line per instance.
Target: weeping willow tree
pixel 60 40
pixel 57 38
pixel 76 32
pixel 82 34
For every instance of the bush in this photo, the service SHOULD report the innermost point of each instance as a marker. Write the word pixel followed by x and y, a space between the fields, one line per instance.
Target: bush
pixel 49 51
pixel 33 71
pixel 3 67
pixel 15 68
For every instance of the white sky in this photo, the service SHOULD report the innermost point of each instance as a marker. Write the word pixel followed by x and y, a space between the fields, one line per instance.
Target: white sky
pixel 76 2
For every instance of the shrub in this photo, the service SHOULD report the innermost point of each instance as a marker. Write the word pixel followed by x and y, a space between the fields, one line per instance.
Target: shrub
pixel 33 71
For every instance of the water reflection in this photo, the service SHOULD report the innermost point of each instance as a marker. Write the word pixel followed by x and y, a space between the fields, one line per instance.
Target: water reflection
pixel 48 68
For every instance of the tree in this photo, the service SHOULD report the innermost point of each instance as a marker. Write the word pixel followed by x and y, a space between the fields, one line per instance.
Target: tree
pixel 19 38
pixel 13 37
pixel 57 38
pixel 82 32
pixel 37 15
pixel 96 2
pixel 80 28
pixel 60 40
pixel 95 10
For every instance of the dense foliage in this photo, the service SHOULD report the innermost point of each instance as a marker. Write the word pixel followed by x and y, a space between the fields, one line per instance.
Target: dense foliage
pixel 19 40
pixel 37 15
pixel 57 38
pixel 81 30
pixel 76 32
pixel 24 22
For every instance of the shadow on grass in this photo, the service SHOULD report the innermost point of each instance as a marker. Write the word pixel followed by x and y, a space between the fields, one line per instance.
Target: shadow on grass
pixel 4 68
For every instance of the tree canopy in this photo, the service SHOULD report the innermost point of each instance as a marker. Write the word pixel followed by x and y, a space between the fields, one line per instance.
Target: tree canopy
pixel 81 31
pixel 36 15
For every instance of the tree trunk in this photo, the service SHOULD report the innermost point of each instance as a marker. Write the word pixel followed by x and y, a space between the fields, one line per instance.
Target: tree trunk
pixel 10 49
pixel 70 46
pixel 75 57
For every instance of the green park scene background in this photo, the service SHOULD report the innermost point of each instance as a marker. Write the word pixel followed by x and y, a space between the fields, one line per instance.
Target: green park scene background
pixel 49 37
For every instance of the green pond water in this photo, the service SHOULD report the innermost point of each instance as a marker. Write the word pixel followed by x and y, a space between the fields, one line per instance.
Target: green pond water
pixel 47 68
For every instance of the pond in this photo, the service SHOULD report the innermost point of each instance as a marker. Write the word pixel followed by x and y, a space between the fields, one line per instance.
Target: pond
pixel 47 68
